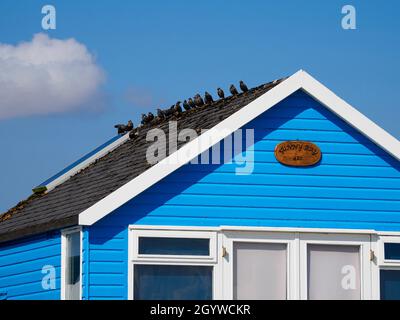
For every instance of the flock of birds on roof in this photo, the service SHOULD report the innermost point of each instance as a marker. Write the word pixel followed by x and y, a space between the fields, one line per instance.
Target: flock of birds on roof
pixel 176 109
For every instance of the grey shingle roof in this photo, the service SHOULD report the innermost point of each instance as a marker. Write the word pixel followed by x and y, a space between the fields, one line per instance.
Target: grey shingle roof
pixel 61 206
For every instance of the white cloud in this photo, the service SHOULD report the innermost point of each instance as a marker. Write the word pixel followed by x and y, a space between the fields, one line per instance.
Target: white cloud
pixel 46 76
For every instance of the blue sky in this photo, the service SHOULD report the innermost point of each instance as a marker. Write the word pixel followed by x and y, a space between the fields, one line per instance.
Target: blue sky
pixel 155 53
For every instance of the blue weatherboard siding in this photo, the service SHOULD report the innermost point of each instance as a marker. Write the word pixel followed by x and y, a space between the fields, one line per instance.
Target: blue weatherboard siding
pixel 21 266
pixel 356 185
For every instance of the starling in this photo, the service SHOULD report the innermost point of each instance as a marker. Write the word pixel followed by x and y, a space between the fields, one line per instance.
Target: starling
pixel 144 119
pixel 198 100
pixel 208 98
pixel 186 105
pixel 129 126
pixel 243 86
pixel 150 117
pixel 178 108
pixel 121 128
pixel 170 111
pixel 233 90
pixel 221 93
pixel 134 133
pixel 191 103
pixel 160 113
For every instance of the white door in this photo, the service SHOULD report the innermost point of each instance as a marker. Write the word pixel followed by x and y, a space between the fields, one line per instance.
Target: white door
pixel 335 267
pixel 259 265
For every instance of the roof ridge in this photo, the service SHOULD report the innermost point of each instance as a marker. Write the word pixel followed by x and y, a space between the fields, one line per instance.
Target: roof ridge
pixel 215 103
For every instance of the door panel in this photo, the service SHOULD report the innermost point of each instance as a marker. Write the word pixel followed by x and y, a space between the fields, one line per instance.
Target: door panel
pixel 333 272
pixel 335 267
pixel 259 271
pixel 259 265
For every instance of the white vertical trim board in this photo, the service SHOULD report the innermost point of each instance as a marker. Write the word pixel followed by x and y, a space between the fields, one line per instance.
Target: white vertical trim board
pixel 299 80
pixel 64 234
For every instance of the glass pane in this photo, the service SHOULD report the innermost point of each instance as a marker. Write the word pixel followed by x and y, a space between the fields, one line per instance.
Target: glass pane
pixel 259 270
pixel 162 282
pixel 174 246
pixel 392 251
pixel 390 284
pixel 73 267
pixel 333 272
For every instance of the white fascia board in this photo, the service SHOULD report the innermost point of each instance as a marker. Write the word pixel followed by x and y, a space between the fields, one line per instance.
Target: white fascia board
pixel 299 80
pixel 253 229
pixel 101 153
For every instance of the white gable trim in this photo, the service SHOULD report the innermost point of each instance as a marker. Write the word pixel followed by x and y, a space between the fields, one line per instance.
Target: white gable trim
pixel 300 80
pixel 351 115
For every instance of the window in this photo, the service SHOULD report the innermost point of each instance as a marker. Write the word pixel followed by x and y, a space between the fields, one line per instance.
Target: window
pixel 392 251
pixel 261 263
pixel 174 246
pixel 71 266
pixel 389 267
pixel 390 284
pixel 172 265
pixel 172 282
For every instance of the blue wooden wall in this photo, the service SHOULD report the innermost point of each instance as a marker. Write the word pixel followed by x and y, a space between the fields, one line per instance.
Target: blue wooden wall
pixel 21 266
pixel 356 185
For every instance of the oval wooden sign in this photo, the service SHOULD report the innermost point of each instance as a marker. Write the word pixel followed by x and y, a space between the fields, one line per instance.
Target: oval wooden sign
pixel 297 153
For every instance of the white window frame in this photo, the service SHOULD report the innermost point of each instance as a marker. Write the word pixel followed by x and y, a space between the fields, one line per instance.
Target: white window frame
pixel 64 234
pixel 361 240
pixel 381 256
pixel 381 262
pixel 183 260
pixel 289 239
pixel 212 236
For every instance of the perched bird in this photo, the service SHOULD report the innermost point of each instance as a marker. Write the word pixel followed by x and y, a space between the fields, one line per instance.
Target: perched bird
pixel 191 103
pixel 221 93
pixel 144 119
pixel 129 126
pixel 233 90
pixel 150 117
pixel 198 100
pixel 134 133
pixel 208 98
pixel 243 86
pixel 122 128
pixel 178 108
pixel 160 113
pixel 170 111
pixel 186 106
